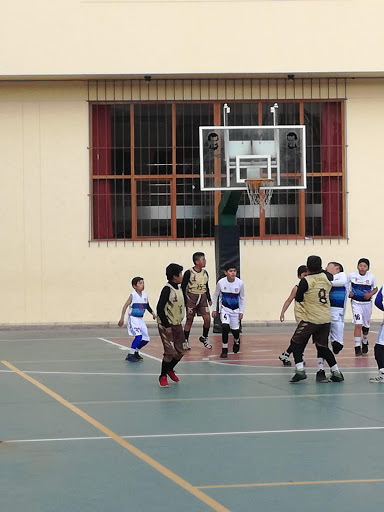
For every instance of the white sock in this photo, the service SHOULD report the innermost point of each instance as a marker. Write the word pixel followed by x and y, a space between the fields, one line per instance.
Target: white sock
pixel 320 363
pixel 334 368
pixel 131 350
pixel 365 338
pixel 381 371
pixel 357 341
pixel 299 367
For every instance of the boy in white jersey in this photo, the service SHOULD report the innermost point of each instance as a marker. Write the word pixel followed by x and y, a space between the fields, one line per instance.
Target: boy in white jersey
pixel 230 292
pixel 197 298
pixel 302 271
pixel 338 298
pixel 362 287
pixel 138 304
pixel 379 346
pixel 170 313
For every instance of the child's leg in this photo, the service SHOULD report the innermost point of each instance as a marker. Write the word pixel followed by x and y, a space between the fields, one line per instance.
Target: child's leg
pixel 367 312
pixel 202 309
pixel 168 355
pixel 224 334
pixel 320 338
pixel 298 342
pixel 357 319
pixel 143 341
pixel 379 356
pixel 235 329
pixel 336 336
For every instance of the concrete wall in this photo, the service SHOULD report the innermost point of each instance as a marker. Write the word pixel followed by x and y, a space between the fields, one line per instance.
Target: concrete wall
pixel 51 274
pixel 82 37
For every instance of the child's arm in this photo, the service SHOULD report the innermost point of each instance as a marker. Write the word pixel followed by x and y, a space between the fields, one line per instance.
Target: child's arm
pixel 184 283
pixel 288 302
pixel 150 310
pixel 162 302
pixel 208 293
pixel 129 301
pixel 241 301
pixel 214 299
pixel 374 290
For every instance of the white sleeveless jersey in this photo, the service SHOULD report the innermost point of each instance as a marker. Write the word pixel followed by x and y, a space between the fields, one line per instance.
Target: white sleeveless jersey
pixel 138 305
pixel 231 295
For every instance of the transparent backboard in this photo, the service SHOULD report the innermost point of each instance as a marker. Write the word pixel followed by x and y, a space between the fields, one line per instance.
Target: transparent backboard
pixel 229 155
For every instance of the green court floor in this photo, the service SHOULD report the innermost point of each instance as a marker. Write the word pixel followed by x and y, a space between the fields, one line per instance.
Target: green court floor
pixel 84 430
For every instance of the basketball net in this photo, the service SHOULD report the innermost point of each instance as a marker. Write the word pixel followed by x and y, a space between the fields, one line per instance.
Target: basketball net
pixel 256 196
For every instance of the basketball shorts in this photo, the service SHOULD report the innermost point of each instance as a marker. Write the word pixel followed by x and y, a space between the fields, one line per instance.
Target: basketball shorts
pixel 227 316
pixel 361 313
pixel 173 341
pixel 197 305
pixel 337 325
pixel 380 335
pixel 136 327
pixel 319 333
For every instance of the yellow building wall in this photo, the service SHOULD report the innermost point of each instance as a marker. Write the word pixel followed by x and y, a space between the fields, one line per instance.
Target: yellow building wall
pixel 127 37
pixel 51 274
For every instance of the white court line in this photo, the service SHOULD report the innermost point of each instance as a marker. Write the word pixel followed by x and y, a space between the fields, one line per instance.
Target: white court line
pixel 38 372
pixel 48 339
pixel 201 434
pixel 123 347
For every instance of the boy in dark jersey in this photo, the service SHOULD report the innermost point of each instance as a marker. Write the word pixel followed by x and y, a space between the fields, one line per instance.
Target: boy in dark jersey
pixel 170 313
pixel 313 292
pixel 197 297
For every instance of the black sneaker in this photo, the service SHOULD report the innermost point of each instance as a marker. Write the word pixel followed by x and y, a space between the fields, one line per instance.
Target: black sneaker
pixel 205 341
pixel 321 377
pixel 364 349
pixel 358 351
pixel 337 347
pixel 298 376
pixel 336 377
pixel 284 358
pixel 132 358
pixel 224 353
pixel 236 347
pixel 139 358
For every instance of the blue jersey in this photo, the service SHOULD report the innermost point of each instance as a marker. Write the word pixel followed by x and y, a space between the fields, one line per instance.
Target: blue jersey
pixel 339 290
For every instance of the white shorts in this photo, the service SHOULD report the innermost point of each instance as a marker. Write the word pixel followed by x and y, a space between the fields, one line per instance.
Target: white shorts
pixel 136 327
pixel 230 317
pixel 361 312
pixel 337 325
pixel 380 335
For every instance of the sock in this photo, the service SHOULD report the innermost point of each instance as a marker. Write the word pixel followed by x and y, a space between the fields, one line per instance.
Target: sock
pixel 165 367
pixel 357 341
pixel 381 371
pixel 205 332
pixel 300 367
pixel 335 368
pixel 132 350
pixel 365 338
pixel 320 363
pixel 225 345
pixel 186 335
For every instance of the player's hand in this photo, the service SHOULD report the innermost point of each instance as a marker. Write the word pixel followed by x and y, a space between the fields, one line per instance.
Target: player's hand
pixel 351 294
pixel 120 323
pixel 282 317
pixel 367 295
pixel 240 316
pixel 154 316
pixel 209 303
pixel 213 314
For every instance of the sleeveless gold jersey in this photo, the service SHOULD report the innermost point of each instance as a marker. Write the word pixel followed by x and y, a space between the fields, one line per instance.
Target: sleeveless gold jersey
pixel 174 308
pixel 317 308
pixel 197 283
pixel 299 312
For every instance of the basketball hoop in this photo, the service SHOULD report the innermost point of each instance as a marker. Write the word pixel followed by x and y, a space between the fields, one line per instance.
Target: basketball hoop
pixel 256 196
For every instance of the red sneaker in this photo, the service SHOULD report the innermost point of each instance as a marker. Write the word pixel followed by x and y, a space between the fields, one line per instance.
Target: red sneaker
pixel 172 375
pixel 163 383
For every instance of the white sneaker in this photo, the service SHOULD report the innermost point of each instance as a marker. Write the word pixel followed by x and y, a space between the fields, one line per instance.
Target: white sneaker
pixel 379 379
pixel 187 346
pixel 205 341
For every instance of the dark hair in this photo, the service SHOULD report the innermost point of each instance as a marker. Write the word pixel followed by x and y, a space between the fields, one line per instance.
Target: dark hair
pixel 227 266
pixel 173 270
pixel 211 135
pixel 341 268
pixel 135 280
pixel 197 256
pixel 314 263
pixel 363 260
pixel 301 270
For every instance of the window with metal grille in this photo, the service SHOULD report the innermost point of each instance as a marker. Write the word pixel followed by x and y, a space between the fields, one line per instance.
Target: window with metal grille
pixel 145 171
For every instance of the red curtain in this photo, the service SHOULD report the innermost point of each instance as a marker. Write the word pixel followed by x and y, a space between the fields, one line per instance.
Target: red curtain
pixel 331 161
pixel 101 165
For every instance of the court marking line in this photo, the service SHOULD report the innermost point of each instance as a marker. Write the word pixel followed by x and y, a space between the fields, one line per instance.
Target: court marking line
pixel 129 374
pixel 276 484
pixel 190 434
pixel 203 399
pixel 215 505
pixel 123 347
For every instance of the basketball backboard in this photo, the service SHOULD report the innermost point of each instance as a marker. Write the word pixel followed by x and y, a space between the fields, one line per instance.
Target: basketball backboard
pixel 230 155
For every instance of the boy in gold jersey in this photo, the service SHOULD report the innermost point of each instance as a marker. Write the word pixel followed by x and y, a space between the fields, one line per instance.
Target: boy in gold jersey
pixel 197 297
pixel 170 313
pixel 313 293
